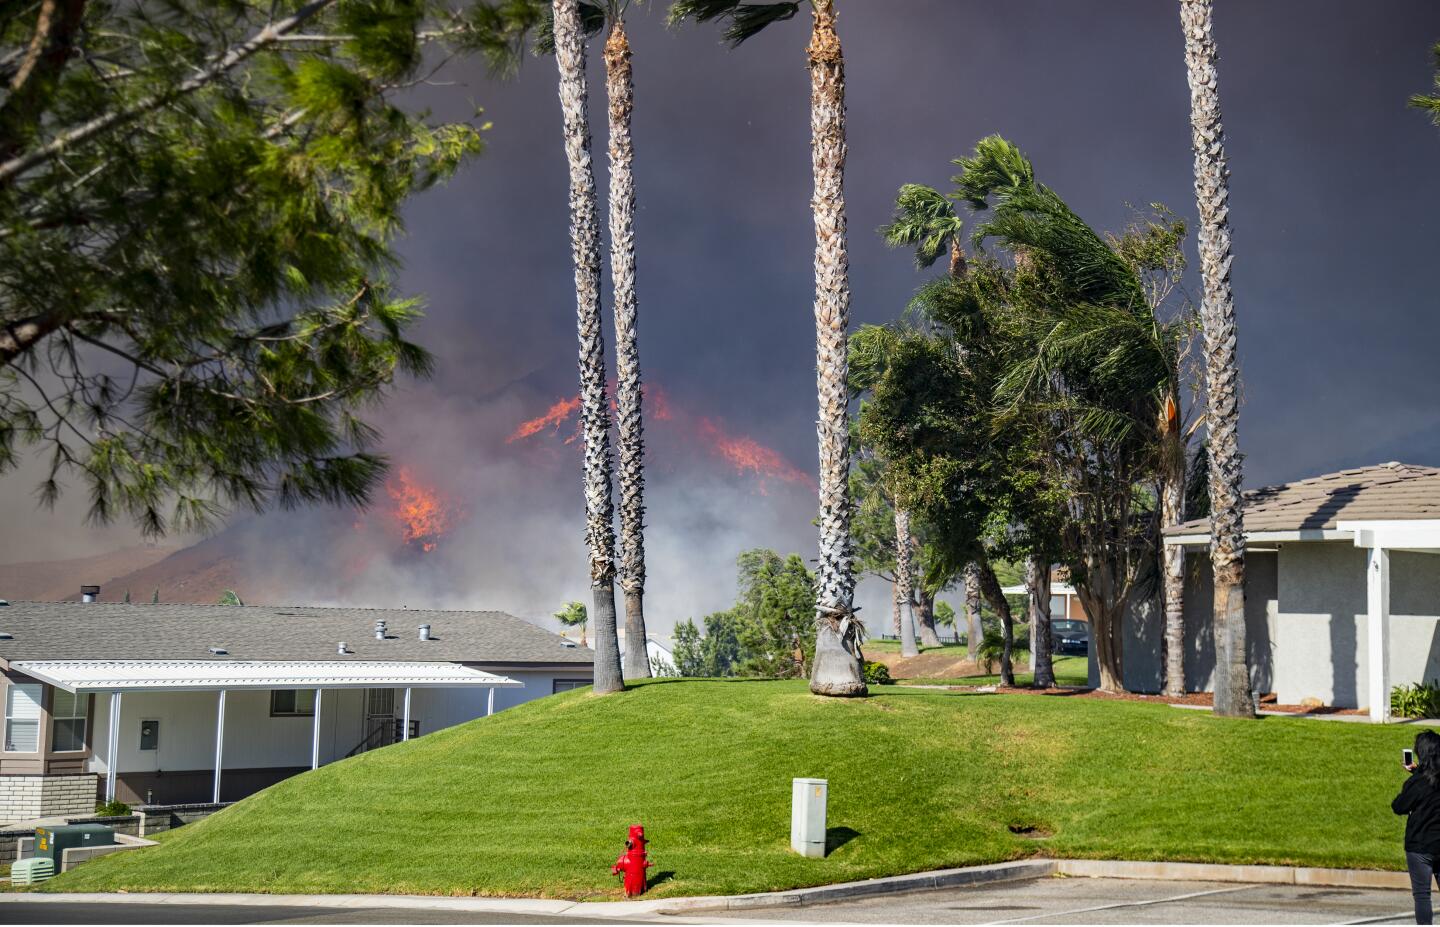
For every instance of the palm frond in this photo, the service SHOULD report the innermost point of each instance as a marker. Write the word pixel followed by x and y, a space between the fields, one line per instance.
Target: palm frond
pixel 745 20
pixel 924 217
pixel 997 166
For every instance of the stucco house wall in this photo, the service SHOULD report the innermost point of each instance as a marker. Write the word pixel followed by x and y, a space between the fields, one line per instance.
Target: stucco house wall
pixel 1143 649
pixel 1322 622
pixel 1305 615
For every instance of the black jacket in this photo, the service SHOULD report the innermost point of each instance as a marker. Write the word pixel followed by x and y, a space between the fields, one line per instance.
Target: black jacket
pixel 1421 801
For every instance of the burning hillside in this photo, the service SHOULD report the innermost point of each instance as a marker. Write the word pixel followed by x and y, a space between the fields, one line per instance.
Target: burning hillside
pixel 744 455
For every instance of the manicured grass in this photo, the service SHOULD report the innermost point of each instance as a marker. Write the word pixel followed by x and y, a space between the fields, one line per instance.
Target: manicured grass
pixel 536 800
pixel 1069 671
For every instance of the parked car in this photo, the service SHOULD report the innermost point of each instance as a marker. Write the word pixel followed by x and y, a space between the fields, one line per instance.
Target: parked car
pixel 1071 638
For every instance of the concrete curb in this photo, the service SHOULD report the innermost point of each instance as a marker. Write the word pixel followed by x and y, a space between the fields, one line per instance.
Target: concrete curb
pixel 914 882
pixel 1020 870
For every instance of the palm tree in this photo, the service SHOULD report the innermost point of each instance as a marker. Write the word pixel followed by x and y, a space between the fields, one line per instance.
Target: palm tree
pixel 1222 372
pixel 574 615
pixel 926 220
pixel 620 91
pixel 837 669
pixel 975 629
pixel 905 583
pixel 594 410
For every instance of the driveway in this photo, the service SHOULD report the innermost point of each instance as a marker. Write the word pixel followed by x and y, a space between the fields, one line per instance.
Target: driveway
pixel 1062 900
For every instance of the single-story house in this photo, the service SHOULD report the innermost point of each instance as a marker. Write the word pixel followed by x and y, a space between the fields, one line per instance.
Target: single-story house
pixel 170 704
pixel 1342 591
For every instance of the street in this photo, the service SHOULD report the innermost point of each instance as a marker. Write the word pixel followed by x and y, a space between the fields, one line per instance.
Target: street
pixel 1111 901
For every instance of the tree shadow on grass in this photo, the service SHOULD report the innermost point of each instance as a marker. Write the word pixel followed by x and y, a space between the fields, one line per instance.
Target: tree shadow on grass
pixel 837 837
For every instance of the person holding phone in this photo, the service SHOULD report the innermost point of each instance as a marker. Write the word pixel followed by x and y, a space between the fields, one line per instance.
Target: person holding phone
pixel 1420 800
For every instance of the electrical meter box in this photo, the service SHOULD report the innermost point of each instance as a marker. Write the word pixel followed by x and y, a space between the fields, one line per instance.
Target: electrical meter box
pixel 807 816
pixel 52 842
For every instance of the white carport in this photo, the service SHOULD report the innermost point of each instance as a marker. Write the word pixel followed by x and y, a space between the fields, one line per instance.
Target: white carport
pixel 119 676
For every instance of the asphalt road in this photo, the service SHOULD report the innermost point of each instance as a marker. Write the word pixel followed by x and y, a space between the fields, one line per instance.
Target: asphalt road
pixel 1111 901
pixel 86 912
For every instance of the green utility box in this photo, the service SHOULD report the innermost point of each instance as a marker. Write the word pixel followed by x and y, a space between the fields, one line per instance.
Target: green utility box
pixel 52 842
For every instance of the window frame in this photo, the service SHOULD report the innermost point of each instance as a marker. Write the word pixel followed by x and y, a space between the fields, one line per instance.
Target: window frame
pixel 569 685
pixel 82 704
pixel 39 701
pixel 297 711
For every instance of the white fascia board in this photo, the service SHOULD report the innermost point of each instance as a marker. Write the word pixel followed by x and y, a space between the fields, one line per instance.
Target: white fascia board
pixel 1409 534
pixel 217 675
pixel 1339 533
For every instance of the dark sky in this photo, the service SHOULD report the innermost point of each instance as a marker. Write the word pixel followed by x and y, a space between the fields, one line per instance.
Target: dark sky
pixel 1334 189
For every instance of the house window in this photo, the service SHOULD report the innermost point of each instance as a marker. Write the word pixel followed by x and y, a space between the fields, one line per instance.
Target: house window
pixel 292 703
pixel 565 685
pixel 67 726
pixel 22 717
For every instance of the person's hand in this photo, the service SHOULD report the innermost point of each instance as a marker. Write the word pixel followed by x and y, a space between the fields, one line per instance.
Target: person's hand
pixel 1410 767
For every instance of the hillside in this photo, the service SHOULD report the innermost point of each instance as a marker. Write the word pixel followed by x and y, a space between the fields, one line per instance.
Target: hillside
pixel 536 800
pixel 57 580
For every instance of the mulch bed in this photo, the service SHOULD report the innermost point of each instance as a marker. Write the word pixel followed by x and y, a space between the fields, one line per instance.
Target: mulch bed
pixel 1205 699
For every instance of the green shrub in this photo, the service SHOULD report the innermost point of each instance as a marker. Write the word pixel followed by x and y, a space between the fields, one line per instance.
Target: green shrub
pixel 877 674
pixel 112 809
pixel 1417 700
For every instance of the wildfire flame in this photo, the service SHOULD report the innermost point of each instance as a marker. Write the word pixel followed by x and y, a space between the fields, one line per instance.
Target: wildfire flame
pixel 424 515
pixel 746 455
pixel 554 417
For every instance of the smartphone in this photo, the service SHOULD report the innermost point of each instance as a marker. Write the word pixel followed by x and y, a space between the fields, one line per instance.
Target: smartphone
pixel 1409 756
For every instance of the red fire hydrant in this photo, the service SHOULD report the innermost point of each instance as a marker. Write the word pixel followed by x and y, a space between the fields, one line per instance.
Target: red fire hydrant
pixel 632 863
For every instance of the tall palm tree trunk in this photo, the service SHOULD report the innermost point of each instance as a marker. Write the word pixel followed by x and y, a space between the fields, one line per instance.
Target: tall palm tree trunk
pixel 1222 374
pixel 594 411
pixel 620 90
pixel 925 625
pixel 904 584
pixel 837 669
pixel 1037 584
pixel 975 629
pixel 990 589
pixel 1172 556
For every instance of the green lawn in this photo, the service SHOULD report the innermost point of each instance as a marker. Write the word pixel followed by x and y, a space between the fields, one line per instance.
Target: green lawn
pixel 536 800
pixel 1069 671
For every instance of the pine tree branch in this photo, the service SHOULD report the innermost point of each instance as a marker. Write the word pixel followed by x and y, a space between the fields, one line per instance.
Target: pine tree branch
pixel 266 37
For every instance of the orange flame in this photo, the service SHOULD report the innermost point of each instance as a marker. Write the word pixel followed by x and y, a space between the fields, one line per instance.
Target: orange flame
pixel 554 417
pixel 423 514
pixel 747 455
pixel 742 452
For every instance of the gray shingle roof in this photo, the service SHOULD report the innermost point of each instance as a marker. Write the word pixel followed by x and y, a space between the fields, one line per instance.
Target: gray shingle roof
pixel 1389 491
pixel 114 631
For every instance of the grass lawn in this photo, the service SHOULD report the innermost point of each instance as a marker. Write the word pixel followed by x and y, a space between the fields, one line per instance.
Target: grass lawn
pixel 1069 671
pixel 536 800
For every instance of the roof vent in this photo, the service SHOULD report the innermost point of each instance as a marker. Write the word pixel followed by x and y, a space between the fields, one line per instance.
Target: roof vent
pixel 6 636
pixel 341 648
pixel 424 632
pixel 89 594
pixel 380 629
pixel 219 651
pixel 566 643
pixel 3 603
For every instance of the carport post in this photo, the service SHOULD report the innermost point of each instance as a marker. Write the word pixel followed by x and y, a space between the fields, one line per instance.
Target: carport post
pixel 490 703
pixel 1377 632
pixel 219 742
pixel 112 749
pixel 405 731
pixel 315 733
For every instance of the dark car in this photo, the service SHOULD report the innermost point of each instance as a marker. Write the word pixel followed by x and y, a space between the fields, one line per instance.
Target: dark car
pixel 1071 638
